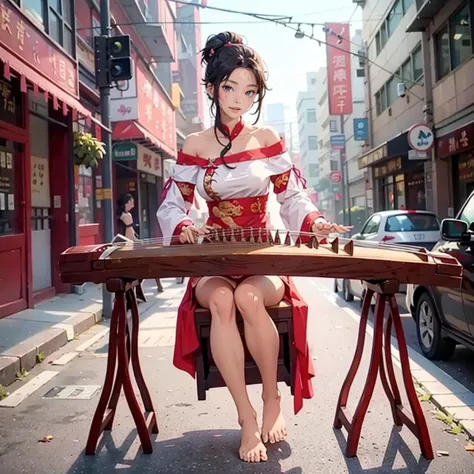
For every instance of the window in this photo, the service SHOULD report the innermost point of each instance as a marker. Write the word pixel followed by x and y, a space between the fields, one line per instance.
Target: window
pixel 392 89
pixel 467 214
pixel 333 125
pixel 372 225
pixel 394 17
pixel 460 37
pixel 333 165
pixel 412 223
pixel 56 17
pixel 453 42
pixel 311 115
pixel 313 81
pixel 417 64
pixel 389 25
pixel 407 71
pixel 312 143
pixel 381 100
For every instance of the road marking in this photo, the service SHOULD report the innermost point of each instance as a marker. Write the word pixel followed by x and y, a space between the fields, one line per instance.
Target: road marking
pixel 65 359
pixel 26 390
pixel 83 347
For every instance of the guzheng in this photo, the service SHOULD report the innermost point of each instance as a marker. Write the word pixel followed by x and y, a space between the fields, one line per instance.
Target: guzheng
pixel 260 252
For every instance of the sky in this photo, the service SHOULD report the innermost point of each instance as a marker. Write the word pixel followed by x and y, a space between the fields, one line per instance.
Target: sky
pixel 287 58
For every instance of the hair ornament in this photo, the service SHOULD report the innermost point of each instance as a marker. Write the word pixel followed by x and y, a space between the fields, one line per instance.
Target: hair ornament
pixel 211 53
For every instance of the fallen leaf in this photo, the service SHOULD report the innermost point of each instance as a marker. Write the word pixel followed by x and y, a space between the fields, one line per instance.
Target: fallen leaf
pixel 46 439
pixel 456 429
pixel 442 453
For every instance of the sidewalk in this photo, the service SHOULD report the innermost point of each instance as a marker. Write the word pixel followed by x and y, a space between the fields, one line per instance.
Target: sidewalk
pixel 29 336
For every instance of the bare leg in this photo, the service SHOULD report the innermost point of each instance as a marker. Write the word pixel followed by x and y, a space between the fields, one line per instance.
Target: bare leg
pixel 217 294
pixel 251 297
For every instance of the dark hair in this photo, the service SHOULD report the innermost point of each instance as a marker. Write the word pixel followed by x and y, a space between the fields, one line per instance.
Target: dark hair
pixel 121 202
pixel 222 54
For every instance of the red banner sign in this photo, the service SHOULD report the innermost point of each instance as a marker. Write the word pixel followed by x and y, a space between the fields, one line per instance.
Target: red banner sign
pixel 25 41
pixel 455 142
pixel 155 112
pixel 339 68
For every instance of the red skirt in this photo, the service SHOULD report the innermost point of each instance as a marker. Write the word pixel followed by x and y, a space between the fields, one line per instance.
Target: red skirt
pixel 187 342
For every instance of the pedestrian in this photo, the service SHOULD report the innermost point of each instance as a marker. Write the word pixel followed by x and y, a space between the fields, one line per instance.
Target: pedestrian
pixel 235 186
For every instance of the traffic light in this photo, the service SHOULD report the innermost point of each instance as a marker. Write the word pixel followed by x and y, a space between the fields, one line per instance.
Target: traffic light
pixel 113 62
pixel 120 63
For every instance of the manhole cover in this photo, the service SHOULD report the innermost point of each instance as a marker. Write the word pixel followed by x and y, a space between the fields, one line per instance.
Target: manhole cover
pixel 73 392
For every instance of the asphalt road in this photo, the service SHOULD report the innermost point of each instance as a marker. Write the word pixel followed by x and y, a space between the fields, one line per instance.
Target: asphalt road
pixel 202 437
pixel 461 364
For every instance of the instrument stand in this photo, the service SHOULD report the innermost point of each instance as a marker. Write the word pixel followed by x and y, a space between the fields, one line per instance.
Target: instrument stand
pixel 381 362
pixel 123 346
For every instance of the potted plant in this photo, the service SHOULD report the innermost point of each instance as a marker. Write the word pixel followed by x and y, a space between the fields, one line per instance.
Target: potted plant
pixel 87 150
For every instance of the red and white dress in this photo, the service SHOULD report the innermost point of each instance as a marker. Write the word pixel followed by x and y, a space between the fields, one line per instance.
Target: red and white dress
pixel 237 198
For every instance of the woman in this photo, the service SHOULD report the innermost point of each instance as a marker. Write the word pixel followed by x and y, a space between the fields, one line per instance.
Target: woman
pixel 235 186
pixel 125 204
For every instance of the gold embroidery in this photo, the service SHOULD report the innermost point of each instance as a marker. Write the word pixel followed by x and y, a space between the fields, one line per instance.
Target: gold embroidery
pixel 225 211
pixel 256 207
pixel 208 184
pixel 282 180
pixel 186 189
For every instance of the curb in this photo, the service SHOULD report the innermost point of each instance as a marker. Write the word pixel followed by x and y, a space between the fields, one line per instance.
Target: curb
pixel 23 356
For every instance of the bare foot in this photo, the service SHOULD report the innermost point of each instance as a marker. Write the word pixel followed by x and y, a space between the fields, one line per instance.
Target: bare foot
pixel 273 426
pixel 251 447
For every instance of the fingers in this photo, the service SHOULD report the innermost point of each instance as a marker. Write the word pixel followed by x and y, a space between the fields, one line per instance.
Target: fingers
pixel 188 235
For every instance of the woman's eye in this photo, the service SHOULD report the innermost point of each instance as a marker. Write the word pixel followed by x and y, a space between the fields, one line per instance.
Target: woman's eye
pixel 250 93
pixel 227 88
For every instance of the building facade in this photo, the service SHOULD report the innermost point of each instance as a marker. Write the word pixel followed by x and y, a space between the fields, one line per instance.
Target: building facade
pixel 49 198
pixel 400 177
pixel 307 132
pixel 446 32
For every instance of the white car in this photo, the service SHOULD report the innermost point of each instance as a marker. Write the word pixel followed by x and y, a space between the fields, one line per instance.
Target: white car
pixel 414 228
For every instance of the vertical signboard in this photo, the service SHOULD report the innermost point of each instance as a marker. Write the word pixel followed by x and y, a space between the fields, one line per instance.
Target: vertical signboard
pixel 339 68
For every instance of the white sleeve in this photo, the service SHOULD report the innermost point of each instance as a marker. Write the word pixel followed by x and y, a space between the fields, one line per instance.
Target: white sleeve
pixel 297 210
pixel 177 201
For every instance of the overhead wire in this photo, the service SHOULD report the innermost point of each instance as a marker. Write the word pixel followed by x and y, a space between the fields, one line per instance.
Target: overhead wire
pixel 277 19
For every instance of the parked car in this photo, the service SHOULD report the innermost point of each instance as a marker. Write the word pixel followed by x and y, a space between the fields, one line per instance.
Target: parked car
pixel 416 228
pixel 445 316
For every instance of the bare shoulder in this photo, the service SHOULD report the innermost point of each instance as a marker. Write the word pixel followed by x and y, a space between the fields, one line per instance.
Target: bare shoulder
pixel 267 136
pixel 127 218
pixel 193 143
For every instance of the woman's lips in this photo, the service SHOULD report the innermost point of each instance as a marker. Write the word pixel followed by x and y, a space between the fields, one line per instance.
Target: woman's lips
pixel 235 109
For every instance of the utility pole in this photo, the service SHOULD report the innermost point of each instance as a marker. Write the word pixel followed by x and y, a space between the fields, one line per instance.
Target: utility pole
pixel 107 161
pixel 343 172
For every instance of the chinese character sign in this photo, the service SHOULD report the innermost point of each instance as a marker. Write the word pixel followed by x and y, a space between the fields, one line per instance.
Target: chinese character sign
pixel 155 111
pixel 20 37
pixel 339 68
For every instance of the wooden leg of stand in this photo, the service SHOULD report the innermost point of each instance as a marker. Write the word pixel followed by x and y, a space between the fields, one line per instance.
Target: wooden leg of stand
pixel 112 407
pixel 137 370
pixel 341 417
pixel 123 368
pixel 419 427
pixel 375 358
pixel 390 385
pixel 97 421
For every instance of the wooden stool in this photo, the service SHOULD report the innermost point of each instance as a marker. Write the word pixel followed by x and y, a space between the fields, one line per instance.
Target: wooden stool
pixel 208 375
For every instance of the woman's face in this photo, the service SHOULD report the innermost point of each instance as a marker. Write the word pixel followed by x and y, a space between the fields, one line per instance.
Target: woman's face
pixel 129 205
pixel 238 93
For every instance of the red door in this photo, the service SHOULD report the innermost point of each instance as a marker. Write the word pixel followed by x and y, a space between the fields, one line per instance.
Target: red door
pixel 13 258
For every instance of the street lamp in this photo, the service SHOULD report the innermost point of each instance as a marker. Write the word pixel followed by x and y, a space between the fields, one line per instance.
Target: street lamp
pixel 299 34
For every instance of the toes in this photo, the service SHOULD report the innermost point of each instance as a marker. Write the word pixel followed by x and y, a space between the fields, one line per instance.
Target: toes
pixel 272 437
pixel 263 455
pixel 265 437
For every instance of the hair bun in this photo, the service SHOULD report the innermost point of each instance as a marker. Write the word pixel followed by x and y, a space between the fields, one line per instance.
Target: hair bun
pixel 216 42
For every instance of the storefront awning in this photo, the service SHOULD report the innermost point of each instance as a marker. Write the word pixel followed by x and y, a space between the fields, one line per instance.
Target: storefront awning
pixel 131 130
pixel 47 88
pixel 396 146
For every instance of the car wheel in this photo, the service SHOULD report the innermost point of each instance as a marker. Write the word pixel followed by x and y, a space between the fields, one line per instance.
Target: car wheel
pixel 428 331
pixel 336 289
pixel 348 296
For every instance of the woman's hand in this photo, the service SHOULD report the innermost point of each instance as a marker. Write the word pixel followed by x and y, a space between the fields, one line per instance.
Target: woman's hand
pixel 190 233
pixel 326 228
